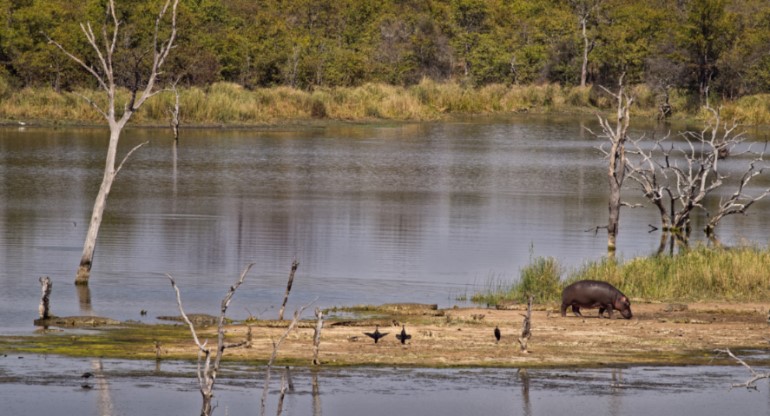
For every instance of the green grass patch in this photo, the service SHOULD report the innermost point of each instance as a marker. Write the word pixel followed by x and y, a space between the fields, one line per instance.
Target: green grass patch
pixel 698 274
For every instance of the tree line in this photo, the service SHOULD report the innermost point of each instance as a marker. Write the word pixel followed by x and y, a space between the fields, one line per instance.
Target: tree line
pixel 716 48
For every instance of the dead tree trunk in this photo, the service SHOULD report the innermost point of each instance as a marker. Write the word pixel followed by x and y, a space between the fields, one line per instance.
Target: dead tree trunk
pixel 526 327
pixel 174 113
pixel 294 265
pixel 317 335
pixel 276 346
pixel 616 170
pixel 45 308
pixel 104 73
pixel 207 375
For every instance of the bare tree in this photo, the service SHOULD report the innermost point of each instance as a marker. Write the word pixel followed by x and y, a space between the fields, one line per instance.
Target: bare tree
pixel 104 48
pixel 45 299
pixel 584 9
pixel 678 177
pixel 274 355
pixel 317 335
pixel 616 136
pixel 207 375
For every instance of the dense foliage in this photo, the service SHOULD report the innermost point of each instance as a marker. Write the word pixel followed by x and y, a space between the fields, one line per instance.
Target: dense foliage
pixel 715 46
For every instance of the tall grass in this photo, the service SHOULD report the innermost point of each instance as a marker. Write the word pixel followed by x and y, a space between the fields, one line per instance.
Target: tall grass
pixel 699 274
pixel 225 103
pixel 541 279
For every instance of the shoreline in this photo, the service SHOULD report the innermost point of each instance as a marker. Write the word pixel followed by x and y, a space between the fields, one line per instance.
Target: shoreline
pixel 658 334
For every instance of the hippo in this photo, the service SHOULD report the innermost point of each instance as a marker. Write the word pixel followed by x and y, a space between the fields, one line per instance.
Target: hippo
pixel 594 294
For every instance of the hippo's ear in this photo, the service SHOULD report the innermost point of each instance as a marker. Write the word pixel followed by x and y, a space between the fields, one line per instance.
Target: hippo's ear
pixel 624 299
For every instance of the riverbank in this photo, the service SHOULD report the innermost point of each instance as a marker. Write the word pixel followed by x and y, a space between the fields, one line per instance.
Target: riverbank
pixel 658 334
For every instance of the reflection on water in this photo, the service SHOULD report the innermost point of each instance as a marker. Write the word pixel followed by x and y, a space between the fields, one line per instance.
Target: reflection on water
pixel 404 213
pixel 38 385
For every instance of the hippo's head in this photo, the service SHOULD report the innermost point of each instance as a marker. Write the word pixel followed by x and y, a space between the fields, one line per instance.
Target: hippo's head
pixel 624 306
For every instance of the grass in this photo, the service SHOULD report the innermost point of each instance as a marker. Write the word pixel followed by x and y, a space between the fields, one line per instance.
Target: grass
pixel 701 273
pixel 225 103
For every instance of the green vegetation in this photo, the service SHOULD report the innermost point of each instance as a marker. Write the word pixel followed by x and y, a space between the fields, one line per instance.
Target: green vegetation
pixel 698 274
pixel 246 62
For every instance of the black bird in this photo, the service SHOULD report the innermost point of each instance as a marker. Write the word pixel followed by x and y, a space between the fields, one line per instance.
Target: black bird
pixel 497 334
pixel 376 334
pixel 403 336
pixel 87 375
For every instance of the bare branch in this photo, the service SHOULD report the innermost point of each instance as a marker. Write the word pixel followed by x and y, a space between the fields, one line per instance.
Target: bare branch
pixel 120 166
pixel 755 376
pixel 276 346
pixel 207 375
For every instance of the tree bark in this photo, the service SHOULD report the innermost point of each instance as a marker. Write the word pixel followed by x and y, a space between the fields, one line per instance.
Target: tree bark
pixel 45 300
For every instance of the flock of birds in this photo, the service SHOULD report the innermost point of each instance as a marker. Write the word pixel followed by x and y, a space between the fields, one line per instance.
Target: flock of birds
pixel 403 336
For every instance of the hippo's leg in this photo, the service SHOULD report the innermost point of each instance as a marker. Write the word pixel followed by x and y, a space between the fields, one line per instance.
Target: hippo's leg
pixel 563 309
pixel 601 311
pixel 576 310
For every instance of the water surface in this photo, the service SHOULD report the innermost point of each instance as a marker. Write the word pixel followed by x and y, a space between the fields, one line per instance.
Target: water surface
pixel 398 213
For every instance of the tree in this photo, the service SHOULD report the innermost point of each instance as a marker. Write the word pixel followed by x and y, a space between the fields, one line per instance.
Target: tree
pixel 677 178
pixel 586 11
pixel 616 169
pixel 141 87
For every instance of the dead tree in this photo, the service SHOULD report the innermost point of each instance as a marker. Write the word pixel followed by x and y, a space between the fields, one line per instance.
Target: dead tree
pixel 616 136
pixel 104 48
pixel 276 346
pixel 526 327
pixel 584 10
pixel 45 307
pixel 317 335
pixel 677 177
pixel 755 376
pixel 294 265
pixel 207 373
pixel 174 112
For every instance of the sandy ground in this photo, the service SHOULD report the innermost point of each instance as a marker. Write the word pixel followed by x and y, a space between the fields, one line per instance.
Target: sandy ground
pixel 657 334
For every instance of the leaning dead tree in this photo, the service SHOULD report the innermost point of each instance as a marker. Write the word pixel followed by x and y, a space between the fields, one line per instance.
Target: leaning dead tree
pixel 677 176
pixel 616 136
pixel 294 265
pixel 207 371
pixel 101 67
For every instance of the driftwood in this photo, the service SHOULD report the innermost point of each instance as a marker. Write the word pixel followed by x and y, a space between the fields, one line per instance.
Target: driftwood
pixel 755 376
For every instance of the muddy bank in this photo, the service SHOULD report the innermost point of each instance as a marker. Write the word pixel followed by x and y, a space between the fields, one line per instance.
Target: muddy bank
pixel 659 334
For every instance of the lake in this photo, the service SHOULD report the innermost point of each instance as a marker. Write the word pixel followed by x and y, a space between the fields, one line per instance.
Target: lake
pixel 424 212
pixel 44 385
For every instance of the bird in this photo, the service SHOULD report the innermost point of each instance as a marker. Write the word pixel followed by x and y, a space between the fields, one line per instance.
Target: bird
pixel 497 334
pixel 87 375
pixel 143 312
pixel 403 336
pixel 376 335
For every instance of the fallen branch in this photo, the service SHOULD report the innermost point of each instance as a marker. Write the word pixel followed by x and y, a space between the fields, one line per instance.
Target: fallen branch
pixel 755 376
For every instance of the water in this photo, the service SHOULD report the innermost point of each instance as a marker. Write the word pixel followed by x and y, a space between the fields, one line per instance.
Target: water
pixel 40 385
pixel 374 214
